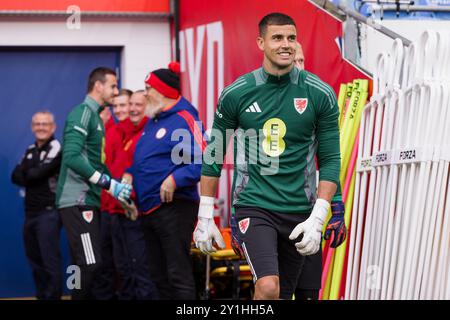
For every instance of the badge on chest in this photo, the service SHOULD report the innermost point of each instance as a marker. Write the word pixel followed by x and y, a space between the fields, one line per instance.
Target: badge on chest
pixel 161 133
pixel 300 104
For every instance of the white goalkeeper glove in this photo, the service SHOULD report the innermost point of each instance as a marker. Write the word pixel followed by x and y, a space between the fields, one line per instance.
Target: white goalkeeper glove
pixel 206 233
pixel 311 229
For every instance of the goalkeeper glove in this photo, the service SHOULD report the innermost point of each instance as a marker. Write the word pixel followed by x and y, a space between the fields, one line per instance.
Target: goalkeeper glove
pixel 120 191
pixel 206 231
pixel 336 225
pixel 311 229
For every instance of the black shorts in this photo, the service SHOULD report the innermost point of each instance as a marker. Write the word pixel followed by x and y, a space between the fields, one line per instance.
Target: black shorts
pixel 82 225
pixel 264 237
pixel 311 275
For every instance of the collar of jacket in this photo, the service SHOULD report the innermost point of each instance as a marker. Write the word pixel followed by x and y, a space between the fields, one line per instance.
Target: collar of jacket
pixel 141 125
pixel 93 104
pixel 45 144
pixel 291 76
pixel 177 105
pixel 127 129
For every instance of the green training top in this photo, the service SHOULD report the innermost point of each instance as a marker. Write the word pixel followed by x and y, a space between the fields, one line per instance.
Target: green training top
pixel 83 154
pixel 281 122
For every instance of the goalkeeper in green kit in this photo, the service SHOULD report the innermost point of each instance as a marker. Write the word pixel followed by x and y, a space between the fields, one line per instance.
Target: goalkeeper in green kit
pixel 282 118
pixel 83 174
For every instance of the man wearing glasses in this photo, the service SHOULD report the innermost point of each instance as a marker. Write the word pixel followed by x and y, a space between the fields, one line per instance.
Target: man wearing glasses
pixel 38 174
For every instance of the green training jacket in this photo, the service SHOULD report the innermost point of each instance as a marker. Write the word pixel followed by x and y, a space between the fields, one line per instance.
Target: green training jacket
pixel 280 123
pixel 83 154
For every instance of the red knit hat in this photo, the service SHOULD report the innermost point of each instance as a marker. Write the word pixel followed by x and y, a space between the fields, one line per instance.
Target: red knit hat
pixel 166 81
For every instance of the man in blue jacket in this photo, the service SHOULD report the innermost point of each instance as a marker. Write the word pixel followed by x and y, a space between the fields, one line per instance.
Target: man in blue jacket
pixel 165 172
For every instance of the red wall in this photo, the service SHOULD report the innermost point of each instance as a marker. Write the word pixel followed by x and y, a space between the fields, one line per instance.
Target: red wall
pixel 317 32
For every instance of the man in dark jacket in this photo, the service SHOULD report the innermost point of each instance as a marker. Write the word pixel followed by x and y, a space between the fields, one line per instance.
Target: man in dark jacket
pixel 38 174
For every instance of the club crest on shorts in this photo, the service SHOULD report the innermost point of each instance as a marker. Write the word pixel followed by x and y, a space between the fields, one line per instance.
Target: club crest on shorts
pixel 243 225
pixel 300 104
pixel 88 216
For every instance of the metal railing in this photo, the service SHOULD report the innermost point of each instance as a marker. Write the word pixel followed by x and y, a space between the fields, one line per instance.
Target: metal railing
pixel 342 13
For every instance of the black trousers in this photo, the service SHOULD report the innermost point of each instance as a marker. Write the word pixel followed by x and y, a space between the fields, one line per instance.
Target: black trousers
pixel 105 282
pixel 82 225
pixel 41 235
pixel 131 260
pixel 168 234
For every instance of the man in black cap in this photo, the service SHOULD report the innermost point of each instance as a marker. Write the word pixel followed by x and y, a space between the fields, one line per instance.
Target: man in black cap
pixel 165 173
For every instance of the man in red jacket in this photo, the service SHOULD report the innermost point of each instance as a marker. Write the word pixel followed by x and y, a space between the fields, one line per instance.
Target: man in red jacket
pixel 106 281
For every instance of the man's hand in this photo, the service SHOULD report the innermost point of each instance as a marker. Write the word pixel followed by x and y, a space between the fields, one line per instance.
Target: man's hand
pixel 311 229
pixel 206 234
pixel 131 211
pixel 336 225
pixel 167 189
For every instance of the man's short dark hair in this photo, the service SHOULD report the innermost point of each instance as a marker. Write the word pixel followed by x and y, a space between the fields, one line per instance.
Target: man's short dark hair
pixel 99 74
pixel 274 19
